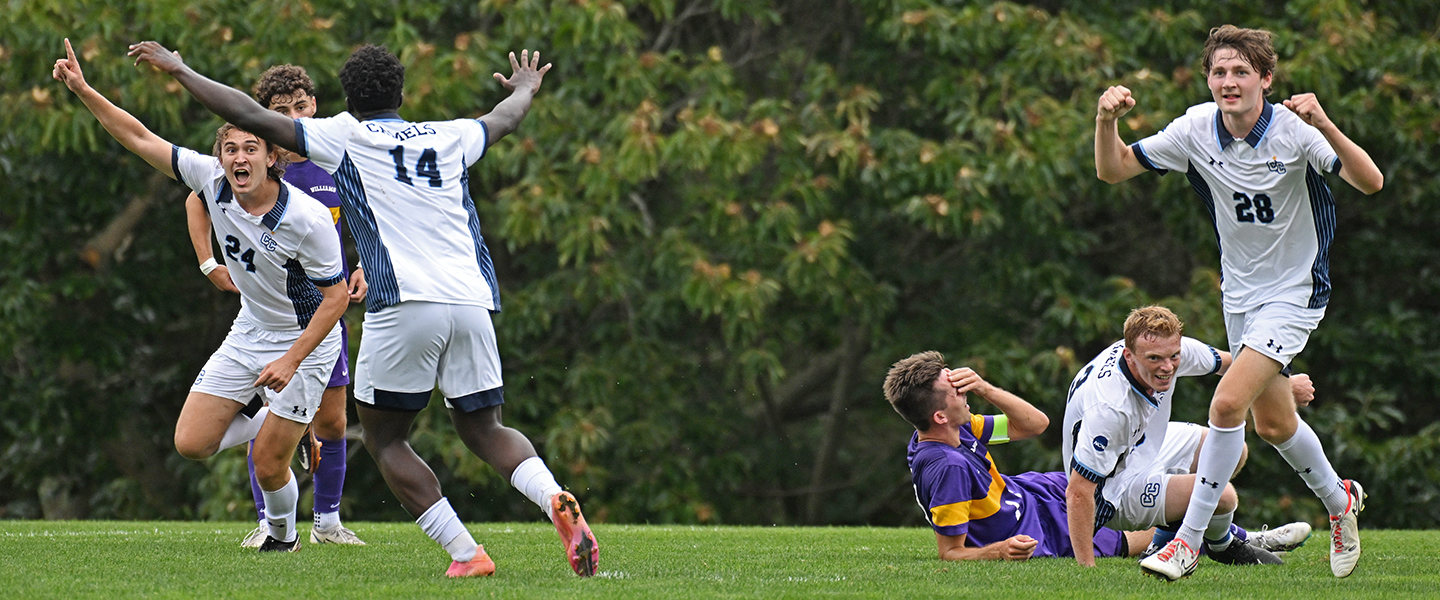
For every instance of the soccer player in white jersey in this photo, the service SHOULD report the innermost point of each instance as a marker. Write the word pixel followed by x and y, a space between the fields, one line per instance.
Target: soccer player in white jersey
pixel 405 191
pixel 1259 168
pixel 1130 467
pixel 285 340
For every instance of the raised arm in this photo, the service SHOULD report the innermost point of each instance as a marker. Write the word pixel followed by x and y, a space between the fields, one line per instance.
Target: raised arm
pixel 1114 160
pixel 198 222
pixel 523 83
pixel 233 105
pixel 1356 168
pixel 123 126
pixel 1026 421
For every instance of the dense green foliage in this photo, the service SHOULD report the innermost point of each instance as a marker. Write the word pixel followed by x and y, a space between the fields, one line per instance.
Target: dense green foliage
pixel 187 560
pixel 720 223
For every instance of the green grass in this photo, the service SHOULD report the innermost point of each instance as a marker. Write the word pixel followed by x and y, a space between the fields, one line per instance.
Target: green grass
pixel 188 560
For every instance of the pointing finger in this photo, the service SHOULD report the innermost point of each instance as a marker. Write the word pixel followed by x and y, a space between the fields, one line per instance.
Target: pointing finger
pixel 70 52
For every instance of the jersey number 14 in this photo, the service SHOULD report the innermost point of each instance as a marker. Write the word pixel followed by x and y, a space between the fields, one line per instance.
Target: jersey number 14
pixel 427 166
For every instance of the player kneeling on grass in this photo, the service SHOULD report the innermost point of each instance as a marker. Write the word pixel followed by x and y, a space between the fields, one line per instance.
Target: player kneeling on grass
pixel 285 340
pixel 976 512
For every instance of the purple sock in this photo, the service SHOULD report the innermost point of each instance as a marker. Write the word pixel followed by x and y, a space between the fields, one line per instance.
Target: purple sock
pixel 255 483
pixel 1239 532
pixel 330 476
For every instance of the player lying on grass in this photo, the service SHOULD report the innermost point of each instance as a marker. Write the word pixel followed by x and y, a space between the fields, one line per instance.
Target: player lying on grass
pixel 1259 168
pixel 288 90
pixel 285 340
pixel 1130 468
pixel 406 194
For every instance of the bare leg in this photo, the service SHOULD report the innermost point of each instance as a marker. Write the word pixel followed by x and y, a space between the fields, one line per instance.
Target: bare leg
pixel 500 446
pixel 330 418
pixel 387 438
pixel 202 423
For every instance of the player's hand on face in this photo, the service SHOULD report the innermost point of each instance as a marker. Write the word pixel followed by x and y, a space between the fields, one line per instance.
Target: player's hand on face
pixel 1308 109
pixel 1303 388
pixel 277 374
pixel 526 72
pixel 358 287
pixel 1019 547
pixel 220 276
pixel 158 57
pixel 67 70
pixel 1114 103
pixel 965 379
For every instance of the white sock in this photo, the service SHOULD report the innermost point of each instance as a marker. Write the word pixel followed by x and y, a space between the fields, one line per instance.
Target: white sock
pixel 243 429
pixel 1307 458
pixel 327 521
pixel 534 480
pixel 1218 459
pixel 280 510
pixel 1217 535
pixel 442 525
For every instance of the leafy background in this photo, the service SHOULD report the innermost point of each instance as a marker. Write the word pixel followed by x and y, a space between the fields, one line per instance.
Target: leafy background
pixel 720 223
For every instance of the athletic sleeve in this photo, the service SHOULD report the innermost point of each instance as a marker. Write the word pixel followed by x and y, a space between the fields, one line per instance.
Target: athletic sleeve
pixel 1197 358
pixel 474 137
pixel 319 252
pixel 1317 149
pixel 1100 443
pixel 952 491
pixel 1167 150
pixel 990 429
pixel 324 140
pixel 194 169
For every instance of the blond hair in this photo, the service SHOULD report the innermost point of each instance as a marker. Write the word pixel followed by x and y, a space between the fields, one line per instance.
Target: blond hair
pixel 1155 321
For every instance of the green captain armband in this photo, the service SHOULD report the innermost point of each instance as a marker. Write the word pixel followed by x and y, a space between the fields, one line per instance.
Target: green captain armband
pixel 1001 433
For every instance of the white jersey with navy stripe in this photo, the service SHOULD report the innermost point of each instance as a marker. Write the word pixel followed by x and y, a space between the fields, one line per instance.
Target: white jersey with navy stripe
pixel 278 259
pixel 1111 423
pixel 1266 193
pixel 406 194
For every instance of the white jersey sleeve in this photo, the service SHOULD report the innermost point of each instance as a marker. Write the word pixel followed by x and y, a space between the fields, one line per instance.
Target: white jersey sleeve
pixel 197 171
pixel 474 138
pixel 1197 358
pixel 1168 150
pixel 320 258
pixel 1101 443
pixel 324 140
pixel 1316 149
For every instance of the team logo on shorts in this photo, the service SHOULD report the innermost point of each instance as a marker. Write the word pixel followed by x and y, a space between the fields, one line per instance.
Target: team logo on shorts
pixel 1100 443
pixel 1150 495
pixel 1275 165
pixel 199 378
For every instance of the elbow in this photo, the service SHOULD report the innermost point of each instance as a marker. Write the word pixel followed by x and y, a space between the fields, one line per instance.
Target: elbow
pixel 1375 186
pixel 1107 176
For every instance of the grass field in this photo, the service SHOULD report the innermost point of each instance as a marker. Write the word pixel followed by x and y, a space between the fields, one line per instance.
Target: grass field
pixel 204 560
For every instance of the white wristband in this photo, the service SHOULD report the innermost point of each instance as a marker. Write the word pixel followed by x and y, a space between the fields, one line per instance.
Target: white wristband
pixel 208 266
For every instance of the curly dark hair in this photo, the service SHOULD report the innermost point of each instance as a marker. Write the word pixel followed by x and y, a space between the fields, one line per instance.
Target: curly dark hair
pixel 282 80
pixel 373 79
pixel 275 171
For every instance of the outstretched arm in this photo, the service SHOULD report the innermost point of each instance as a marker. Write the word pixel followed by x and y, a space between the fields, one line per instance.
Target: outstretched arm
pixel 123 126
pixel 1114 160
pixel 952 547
pixel 1026 421
pixel 524 82
pixel 233 105
pixel 1356 168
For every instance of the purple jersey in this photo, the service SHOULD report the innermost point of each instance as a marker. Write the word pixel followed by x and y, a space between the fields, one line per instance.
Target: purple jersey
pixel 964 494
pixel 313 180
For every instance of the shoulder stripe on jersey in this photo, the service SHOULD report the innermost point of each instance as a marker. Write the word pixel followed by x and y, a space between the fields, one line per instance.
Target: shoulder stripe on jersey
pixel 271 220
pixel 175 164
pixel 379 271
pixel 1144 159
pixel 1218 363
pixel 486 146
pixel 482 253
pixel 1335 167
pixel 1322 206
pixel 1202 189
pixel 302 292
pixel 329 281
pixel 300 140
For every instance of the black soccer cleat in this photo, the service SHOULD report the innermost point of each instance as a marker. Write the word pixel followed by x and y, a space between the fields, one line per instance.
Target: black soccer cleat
pixel 273 545
pixel 1241 553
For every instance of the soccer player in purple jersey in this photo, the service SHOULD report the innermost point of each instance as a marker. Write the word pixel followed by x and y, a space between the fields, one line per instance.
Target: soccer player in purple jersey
pixel 976 512
pixel 288 90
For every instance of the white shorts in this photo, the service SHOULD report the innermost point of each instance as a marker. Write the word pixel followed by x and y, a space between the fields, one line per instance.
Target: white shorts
pixel 408 348
pixel 1138 495
pixel 233 368
pixel 1278 330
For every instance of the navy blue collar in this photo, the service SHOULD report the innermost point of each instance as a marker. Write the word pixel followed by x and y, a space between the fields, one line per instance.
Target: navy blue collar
pixel 389 116
pixel 1139 389
pixel 1256 134
pixel 271 220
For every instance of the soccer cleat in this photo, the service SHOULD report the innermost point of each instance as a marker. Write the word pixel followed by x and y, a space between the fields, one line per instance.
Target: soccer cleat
pixel 1240 552
pixel 255 537
pixel 1280 539
pixel 580 547
pixel 1345 532
pixel 273 545
pixel 339 535
pixel 1175 561
pixel 480 566
pixel 308 451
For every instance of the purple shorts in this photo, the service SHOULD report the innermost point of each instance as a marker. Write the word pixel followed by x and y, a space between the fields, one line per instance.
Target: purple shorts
pixel 340 377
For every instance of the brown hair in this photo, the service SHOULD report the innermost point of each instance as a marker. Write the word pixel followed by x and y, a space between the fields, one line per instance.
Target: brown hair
pixel 1255 46
pixel 910 388
pixel 275 171
pixel 1151 320
pixel 282 80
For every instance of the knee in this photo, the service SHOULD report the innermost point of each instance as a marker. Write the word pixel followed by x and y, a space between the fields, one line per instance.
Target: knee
pixel 192 448
pixel 1274 432
pixel 331 428
pixel 1227 409
pixel 1228 500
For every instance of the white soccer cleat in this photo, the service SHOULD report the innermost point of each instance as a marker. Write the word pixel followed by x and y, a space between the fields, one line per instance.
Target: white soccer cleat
pixel 1175 561
pixel 255 537
pixel 1345 532
pixel 339 535
pixel 1280 539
